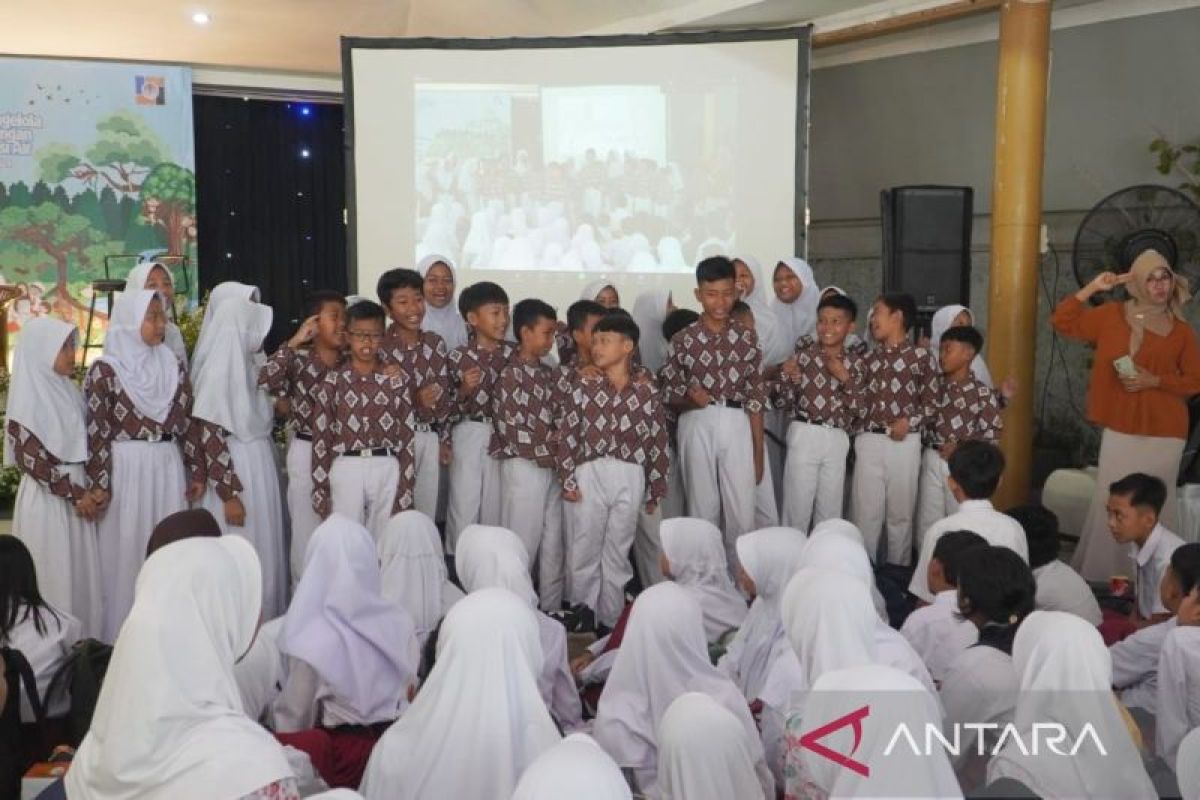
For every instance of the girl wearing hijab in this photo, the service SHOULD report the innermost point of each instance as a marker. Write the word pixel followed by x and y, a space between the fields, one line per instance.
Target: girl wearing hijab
pixel 1142 406
pixel 576 768
pixel 602 292
pixel 895 699
pixel 848 530
pixel 46 439
pixel 488 557
pixel 773 339
pixel 760 660
pixel 663 656
pixel 139 404
pixel 353 653
pixel 705 753
pixel 479 720
pixel 693 555
pixel 169 723
pixel 1066 679
pixel 441 313
pixel 29 623
pixel 155 276
pixel 649 312
pixel 796 299
pixel 234 416
pixel 412 571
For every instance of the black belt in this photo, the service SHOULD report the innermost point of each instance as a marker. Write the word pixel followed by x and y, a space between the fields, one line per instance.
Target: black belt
pixel 155 438
pixel 716 401
pixel 422 427
pixel 878 429
pixel 304 437
pixel 819 423
pixel 367 452
pixel 479 418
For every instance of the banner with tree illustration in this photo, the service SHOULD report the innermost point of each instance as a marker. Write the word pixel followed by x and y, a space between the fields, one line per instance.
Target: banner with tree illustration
pixel 96 162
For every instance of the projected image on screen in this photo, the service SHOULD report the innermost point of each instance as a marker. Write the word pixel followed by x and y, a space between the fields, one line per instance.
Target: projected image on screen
pixel 622 178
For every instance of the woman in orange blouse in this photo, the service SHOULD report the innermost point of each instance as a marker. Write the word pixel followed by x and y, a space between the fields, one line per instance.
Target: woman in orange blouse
pixel 1143 411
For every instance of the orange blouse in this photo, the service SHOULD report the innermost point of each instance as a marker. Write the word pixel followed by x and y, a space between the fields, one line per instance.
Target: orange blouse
pixel 1174 358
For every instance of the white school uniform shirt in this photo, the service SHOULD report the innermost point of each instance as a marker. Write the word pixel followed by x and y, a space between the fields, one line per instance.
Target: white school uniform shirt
pixel 938 635
pixel 44 652
pixel 1060 588
pixel 979 516
pixel 980 686
pixel 1135 665
pixel 1178 691
pixel 1150 561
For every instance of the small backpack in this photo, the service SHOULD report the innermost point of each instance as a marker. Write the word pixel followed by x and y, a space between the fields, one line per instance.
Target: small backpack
pixel 80 678
pixel 20 681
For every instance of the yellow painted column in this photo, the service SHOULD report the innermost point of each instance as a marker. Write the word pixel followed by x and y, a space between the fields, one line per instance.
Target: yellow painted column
pixel 1016 224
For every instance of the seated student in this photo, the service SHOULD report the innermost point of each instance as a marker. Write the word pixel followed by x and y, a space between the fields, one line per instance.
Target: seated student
pixel 975 470
pixel 527 410
pixel 766 509
pixel 936 631
pixel 1059 587
pixel 705 753
pixel 1134 503
pixel 575 767
pixel 1135 658
pixel 412 571
pixel 422 356
pixel 1178 701
pixel 821 391
pixel 664 655
pixel 490 557
pixel 962 409
pixel 353 655
pixel 474 495
pixel 169 721
pixel 42 633
pixel 292 376
pixel 995 593
pixel 612 463
pixel 1064 674
pixel 478 720
pixel 363 465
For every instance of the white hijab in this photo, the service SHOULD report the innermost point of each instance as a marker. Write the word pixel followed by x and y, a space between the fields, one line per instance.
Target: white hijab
pixel 894 699
pixel 705 753
pixel 1188 766
pixel 362 645
pixel 942 321
pixel 575 768
pixel 1066 678
pixel 48 405
pixel 773 337
pixel 798 318
pixel 149 375
pixel 226 366
pixel 649 312
pixel 844 559
pixel 770 557
pixel 829 621
pixel 169 723
pixel 446 322
pixel 488 557
pixel 227 291
pixel 592 289
pixel 697 555
pixel 479 720
pixel 663 655
pixel 413 570
pixel 136 279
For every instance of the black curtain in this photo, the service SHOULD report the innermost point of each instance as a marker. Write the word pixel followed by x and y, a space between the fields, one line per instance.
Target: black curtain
pixel 270 189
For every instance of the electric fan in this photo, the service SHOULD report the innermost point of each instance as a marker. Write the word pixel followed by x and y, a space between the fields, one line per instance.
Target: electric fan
pixel 1127 222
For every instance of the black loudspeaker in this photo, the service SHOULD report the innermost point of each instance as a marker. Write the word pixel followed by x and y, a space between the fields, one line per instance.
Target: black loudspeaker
pixel 927 244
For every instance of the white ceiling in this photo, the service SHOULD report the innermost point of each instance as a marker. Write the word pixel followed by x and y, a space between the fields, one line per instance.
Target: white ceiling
pixel 302 35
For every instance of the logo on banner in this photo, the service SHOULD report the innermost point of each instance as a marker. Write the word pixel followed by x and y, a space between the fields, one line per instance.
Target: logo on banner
pixel 853 719
pixel 150 90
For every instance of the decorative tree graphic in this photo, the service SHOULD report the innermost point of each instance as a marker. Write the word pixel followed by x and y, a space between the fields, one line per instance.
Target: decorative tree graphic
pixel 169 201
pixel 47 229
pixel 122 156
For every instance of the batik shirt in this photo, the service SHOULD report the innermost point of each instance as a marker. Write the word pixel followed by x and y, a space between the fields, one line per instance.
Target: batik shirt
pixel 33 459
pixel 295 375
pixel 962 411
pixel 478 403
pixel 425 363
pixel 527 409
pixel 727 364
pixel 900 384
pixel 816 395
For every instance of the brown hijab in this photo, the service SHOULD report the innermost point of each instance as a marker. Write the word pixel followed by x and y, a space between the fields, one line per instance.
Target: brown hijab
pixel 182 525
pixel 1142 313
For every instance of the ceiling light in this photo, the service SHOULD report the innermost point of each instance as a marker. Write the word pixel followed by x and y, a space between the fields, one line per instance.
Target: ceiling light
pixel 201 18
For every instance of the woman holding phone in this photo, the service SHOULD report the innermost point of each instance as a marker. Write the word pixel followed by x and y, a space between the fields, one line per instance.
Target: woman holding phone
pixel 1146 366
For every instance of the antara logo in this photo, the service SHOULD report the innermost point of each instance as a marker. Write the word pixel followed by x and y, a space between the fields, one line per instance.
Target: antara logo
pixel 854 718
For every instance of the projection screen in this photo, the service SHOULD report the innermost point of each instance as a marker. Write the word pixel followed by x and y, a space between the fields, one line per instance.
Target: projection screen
pixel 545 164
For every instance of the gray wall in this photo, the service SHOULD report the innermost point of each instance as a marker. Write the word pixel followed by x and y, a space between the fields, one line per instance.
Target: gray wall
pixel 929 118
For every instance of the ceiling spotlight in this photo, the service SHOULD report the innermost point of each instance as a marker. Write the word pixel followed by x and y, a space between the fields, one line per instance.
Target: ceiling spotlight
pixel 201 18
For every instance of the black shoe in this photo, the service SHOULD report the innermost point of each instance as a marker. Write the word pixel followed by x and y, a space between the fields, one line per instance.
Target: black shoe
pixel 580 619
